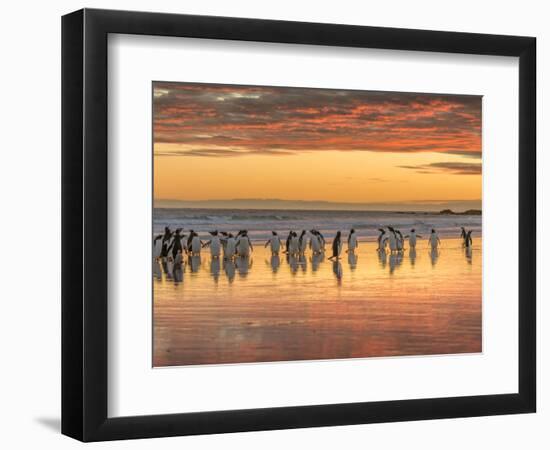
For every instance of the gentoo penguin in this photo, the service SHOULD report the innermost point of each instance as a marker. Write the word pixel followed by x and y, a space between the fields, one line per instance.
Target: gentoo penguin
pixel 463 236
pixel 412 238
pixel 302 241
pixel 352 241
pixel 315 242
pixel 165 242
pixel 336 245
pixel 434 239
pixel 381 238
pixel 392 240
pixel 244 246
pixel 215 244
pixel 294 244
pixel 274 242
pixel 230 246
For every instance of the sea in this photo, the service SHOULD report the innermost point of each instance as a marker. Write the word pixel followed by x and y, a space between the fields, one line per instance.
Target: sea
pixel 260 222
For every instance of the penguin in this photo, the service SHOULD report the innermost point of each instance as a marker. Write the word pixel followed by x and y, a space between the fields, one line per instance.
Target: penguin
pixel 178 243
pixel 434 240
pixel 352 241
pixel 321 238
pixel 244 246
pixel 400 240
pixel 294 244
pixel 230 246
pixel 468 239
pixel 196 244
pixel 302 241
pixel 381 237
pixel 336 246
pixel 412 238
pixel 287 243
pixel 315 242
pixel 165 242
pixel 463 236
pixel 214 244
pixel 274 242
pixel 190 238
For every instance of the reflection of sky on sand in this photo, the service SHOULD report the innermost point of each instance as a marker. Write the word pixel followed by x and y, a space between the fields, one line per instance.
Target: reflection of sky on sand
pixel 270 308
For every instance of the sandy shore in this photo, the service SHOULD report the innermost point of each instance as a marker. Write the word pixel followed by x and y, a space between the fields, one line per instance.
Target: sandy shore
pixel 278 309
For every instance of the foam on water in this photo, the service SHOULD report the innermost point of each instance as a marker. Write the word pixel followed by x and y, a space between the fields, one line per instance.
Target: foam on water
pixel 260 223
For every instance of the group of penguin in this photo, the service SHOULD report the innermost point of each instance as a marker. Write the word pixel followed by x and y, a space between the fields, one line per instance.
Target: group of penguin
pixel 177 243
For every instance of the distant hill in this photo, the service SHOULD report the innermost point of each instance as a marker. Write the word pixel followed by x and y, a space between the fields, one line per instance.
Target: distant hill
pixel 469 212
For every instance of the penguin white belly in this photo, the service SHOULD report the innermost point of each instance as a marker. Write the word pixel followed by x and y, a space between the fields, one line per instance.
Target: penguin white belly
pixel 196 245
pixel 315 244
pixel 303 245
pixel 393 243
pixel 275 244
pixel 242 247
pixel 433 241
pixel 412 241
pixel 230 248
pixel 215 246
pixel 352 244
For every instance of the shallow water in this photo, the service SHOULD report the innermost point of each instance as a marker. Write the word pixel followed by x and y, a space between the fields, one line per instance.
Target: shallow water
pixel 277 309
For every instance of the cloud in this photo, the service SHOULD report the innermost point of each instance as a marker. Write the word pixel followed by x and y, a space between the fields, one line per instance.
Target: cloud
pixel 454 168
pixel 286 120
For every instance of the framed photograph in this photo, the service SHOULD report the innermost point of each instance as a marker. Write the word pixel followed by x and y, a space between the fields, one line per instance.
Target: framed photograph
pixel 273 224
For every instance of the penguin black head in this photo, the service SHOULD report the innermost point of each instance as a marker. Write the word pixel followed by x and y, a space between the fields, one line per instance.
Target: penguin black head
pixel 178 230
pixel 391 229
pixel 433 230
pixel 214 233
pixel 274 233
pixel 352 231
pixel 167 229
pixel 338 234
pixel 412 230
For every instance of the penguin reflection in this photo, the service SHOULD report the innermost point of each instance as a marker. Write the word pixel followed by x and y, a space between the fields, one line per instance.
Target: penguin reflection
pixel 244 263
pixel 292 261
pixel 395 261
pixel 316 260
pixel 229 269
pixel 215 268
pixel 177 271
pixel 382 257
pixel 468 254
pixel 275 263
pixel 352 260
pixel 195 263
pixel 434 255
pixel 337 269
pixel 412 255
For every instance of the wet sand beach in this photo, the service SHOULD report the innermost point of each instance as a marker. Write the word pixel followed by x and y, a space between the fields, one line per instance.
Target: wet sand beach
pixel 279 309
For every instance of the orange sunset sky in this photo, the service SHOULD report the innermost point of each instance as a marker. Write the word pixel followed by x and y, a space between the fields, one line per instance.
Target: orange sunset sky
pixel 255 143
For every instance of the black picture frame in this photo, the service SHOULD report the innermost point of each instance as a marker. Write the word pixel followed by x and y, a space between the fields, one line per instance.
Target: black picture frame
pixel 84 224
